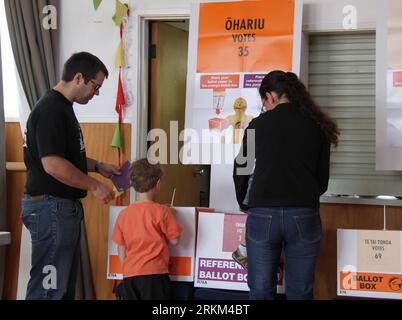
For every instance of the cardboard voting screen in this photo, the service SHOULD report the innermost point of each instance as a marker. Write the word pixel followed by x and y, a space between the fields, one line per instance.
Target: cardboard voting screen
pixel 369 263
pixel 181 256
pixel 218 236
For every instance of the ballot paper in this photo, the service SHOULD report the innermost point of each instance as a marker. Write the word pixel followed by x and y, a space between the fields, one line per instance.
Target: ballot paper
pixel 122 182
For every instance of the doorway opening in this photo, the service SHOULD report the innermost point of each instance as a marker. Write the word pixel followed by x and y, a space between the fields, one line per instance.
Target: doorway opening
pixel 167 75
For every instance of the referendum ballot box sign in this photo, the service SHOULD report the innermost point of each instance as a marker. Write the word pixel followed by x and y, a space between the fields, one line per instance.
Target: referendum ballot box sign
pixel 369 263
pixel 181 256
pixel 219 235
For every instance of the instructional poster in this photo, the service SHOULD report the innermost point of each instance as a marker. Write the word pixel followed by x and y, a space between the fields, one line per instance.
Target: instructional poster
pixel 219 235
pixel 394 73
pixel 233 45
pixel 181 256
pixel 369 263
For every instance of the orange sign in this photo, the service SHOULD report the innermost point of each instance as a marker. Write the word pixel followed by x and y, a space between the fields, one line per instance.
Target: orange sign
pixel 245 36
pixel 373 282
pixel 180 266
pixel 115 265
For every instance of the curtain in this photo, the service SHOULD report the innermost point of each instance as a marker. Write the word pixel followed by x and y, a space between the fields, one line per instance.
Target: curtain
pixel 34 46
pixel 2 180
pixel 84 289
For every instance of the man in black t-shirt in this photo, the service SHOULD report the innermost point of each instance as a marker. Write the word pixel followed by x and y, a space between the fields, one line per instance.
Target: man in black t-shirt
pixel 57 178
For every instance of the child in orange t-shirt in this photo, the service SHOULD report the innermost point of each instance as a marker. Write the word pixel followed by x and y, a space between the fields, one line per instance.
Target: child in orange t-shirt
pixel 142 233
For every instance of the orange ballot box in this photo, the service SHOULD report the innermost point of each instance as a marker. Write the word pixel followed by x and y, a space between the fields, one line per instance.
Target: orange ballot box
pixel 369 263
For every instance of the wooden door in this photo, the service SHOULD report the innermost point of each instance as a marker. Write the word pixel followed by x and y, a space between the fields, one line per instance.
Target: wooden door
pixel 167 103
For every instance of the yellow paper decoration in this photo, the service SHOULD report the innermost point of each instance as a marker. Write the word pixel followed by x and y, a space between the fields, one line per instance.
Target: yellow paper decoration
pixel 121 11
pixel 116 192
pixel 119 59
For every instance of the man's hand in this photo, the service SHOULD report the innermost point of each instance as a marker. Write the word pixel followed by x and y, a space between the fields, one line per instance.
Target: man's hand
pixel 107 170
pixel 104 193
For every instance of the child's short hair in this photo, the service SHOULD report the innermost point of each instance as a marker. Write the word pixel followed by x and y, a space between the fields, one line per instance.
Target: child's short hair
pixel 144 175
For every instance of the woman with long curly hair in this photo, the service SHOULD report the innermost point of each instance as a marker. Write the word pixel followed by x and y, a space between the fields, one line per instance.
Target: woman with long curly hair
pixel 292 152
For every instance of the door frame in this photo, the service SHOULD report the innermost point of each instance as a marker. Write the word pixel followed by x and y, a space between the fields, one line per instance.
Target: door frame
pixel 139 33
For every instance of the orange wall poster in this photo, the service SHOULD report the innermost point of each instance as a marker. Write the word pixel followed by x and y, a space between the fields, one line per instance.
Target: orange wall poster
pixel 369 263
pixel 181 256
pixel 232 46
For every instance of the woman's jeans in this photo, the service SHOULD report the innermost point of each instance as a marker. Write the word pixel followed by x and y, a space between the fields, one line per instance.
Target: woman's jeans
pixel 55 226
pixel 298 231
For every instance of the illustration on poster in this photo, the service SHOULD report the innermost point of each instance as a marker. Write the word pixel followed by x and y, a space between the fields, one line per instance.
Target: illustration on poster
pixel 240 120
pixel 217 123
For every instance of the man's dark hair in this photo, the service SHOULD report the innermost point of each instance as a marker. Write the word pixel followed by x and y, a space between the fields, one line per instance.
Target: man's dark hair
pixel 144 175
pixel 85 63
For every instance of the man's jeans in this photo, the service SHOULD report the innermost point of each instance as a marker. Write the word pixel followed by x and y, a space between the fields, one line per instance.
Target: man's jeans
pixel 298 231
pixel 55 226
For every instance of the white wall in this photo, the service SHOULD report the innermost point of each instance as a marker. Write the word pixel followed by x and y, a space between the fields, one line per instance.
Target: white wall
pixel 84 29
pixel 167 4
pixel 319 15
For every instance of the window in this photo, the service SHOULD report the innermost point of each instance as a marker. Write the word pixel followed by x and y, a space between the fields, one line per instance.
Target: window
pixel 10 86
pixel 342 82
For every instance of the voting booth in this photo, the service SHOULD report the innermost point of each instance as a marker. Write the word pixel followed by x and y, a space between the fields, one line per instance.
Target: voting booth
pixel 182 256
pixel 228 45
pixel 219 235
pixel 204 253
